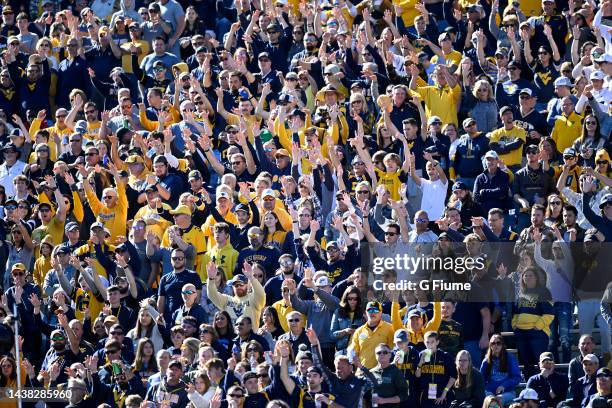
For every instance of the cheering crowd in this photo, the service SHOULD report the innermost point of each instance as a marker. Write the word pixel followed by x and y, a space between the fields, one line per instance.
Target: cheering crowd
pixel 193 195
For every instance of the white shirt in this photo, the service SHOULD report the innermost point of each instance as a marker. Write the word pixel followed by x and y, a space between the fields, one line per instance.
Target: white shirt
pixel 7 174
pixel 434 194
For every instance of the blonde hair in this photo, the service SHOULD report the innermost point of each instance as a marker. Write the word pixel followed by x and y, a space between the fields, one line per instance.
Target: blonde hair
pixel 486 84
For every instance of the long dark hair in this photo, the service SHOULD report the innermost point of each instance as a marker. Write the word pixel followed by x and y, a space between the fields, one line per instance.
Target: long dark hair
pixel 503 356
pixel 584 133
pixel 274 314
pixel 4 381
pixel 230 327
pixel 345 309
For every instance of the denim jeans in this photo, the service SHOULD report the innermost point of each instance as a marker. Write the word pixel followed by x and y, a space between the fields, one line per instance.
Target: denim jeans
pixel 588 312
pixel 507 396
pixel 560 332
pixel 530 344
pixel 475 352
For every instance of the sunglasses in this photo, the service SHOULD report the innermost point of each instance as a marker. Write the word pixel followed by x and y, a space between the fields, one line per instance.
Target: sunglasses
pixel 92 154
pixel 382 352
pixel 58 338
pixel 293 320
pixel 601 162
pixel 235 395
pixel 111 351
pixel 389 233
pixel 11 207
pixel 555 203
pixel 116 333
pixel 178 258
pixel 496 343
pixel 187 292
pixel 18 273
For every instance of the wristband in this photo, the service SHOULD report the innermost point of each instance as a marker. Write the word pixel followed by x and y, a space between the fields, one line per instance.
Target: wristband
pixel 446 389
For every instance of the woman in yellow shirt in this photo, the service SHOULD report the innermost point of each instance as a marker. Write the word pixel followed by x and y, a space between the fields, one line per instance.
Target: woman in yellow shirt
pixel 273 230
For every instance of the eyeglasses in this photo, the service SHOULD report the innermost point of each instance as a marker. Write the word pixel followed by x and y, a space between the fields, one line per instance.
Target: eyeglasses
pixel 555 203
pixel 178 258
pixel 56 338
pixel 236 163
pixel 422 220
pixel 590 122
pixel 239 324
pixel 382 352
pixel 600 162
pixel 390 233
pixel 252 349
pixel 569 157
pixel 263 375
pixel 18 273
pixel 90 112
pixel 187 292
pixel 75 140
pixel 524 96
pixel 543 53
pixel 293 320
pixel 11 207
pixel 116 333
pixel 61 116
pixel 235 395
pixel 92 154
pixel 113 351
pixel 268 199
pixel 109 197
pixel 496 343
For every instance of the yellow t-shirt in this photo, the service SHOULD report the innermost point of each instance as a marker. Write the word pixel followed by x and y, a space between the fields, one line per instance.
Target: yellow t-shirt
pixel 365 341
pixel 148 212
pixel 452 58
pixel 194 236
pixel 409 13
pixel 442 102
pixel 84 300
pixel 55 228
pixel 283 311
pixel 126 57
pixel 566 130
pixel 393 181
pixel 502 135
pixel 251 120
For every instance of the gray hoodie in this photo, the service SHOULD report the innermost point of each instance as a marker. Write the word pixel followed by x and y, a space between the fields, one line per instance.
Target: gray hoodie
pixel 128 9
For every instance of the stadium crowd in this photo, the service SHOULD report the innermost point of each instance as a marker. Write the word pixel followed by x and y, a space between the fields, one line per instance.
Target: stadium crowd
pixel 192 194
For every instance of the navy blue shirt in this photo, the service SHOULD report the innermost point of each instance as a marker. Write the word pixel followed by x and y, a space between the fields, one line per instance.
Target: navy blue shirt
pixel 170 287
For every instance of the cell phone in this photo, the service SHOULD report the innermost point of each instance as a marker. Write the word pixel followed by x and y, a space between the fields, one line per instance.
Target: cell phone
pixel 116 369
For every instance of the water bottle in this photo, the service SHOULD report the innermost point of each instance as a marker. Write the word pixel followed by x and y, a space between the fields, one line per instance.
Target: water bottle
pixel 374 400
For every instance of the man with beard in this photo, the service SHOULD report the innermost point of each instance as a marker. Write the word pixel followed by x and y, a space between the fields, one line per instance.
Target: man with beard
pixel 273 285
pixel 267 257
pixel 60 355
pixel 171 388
pixel 243 303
